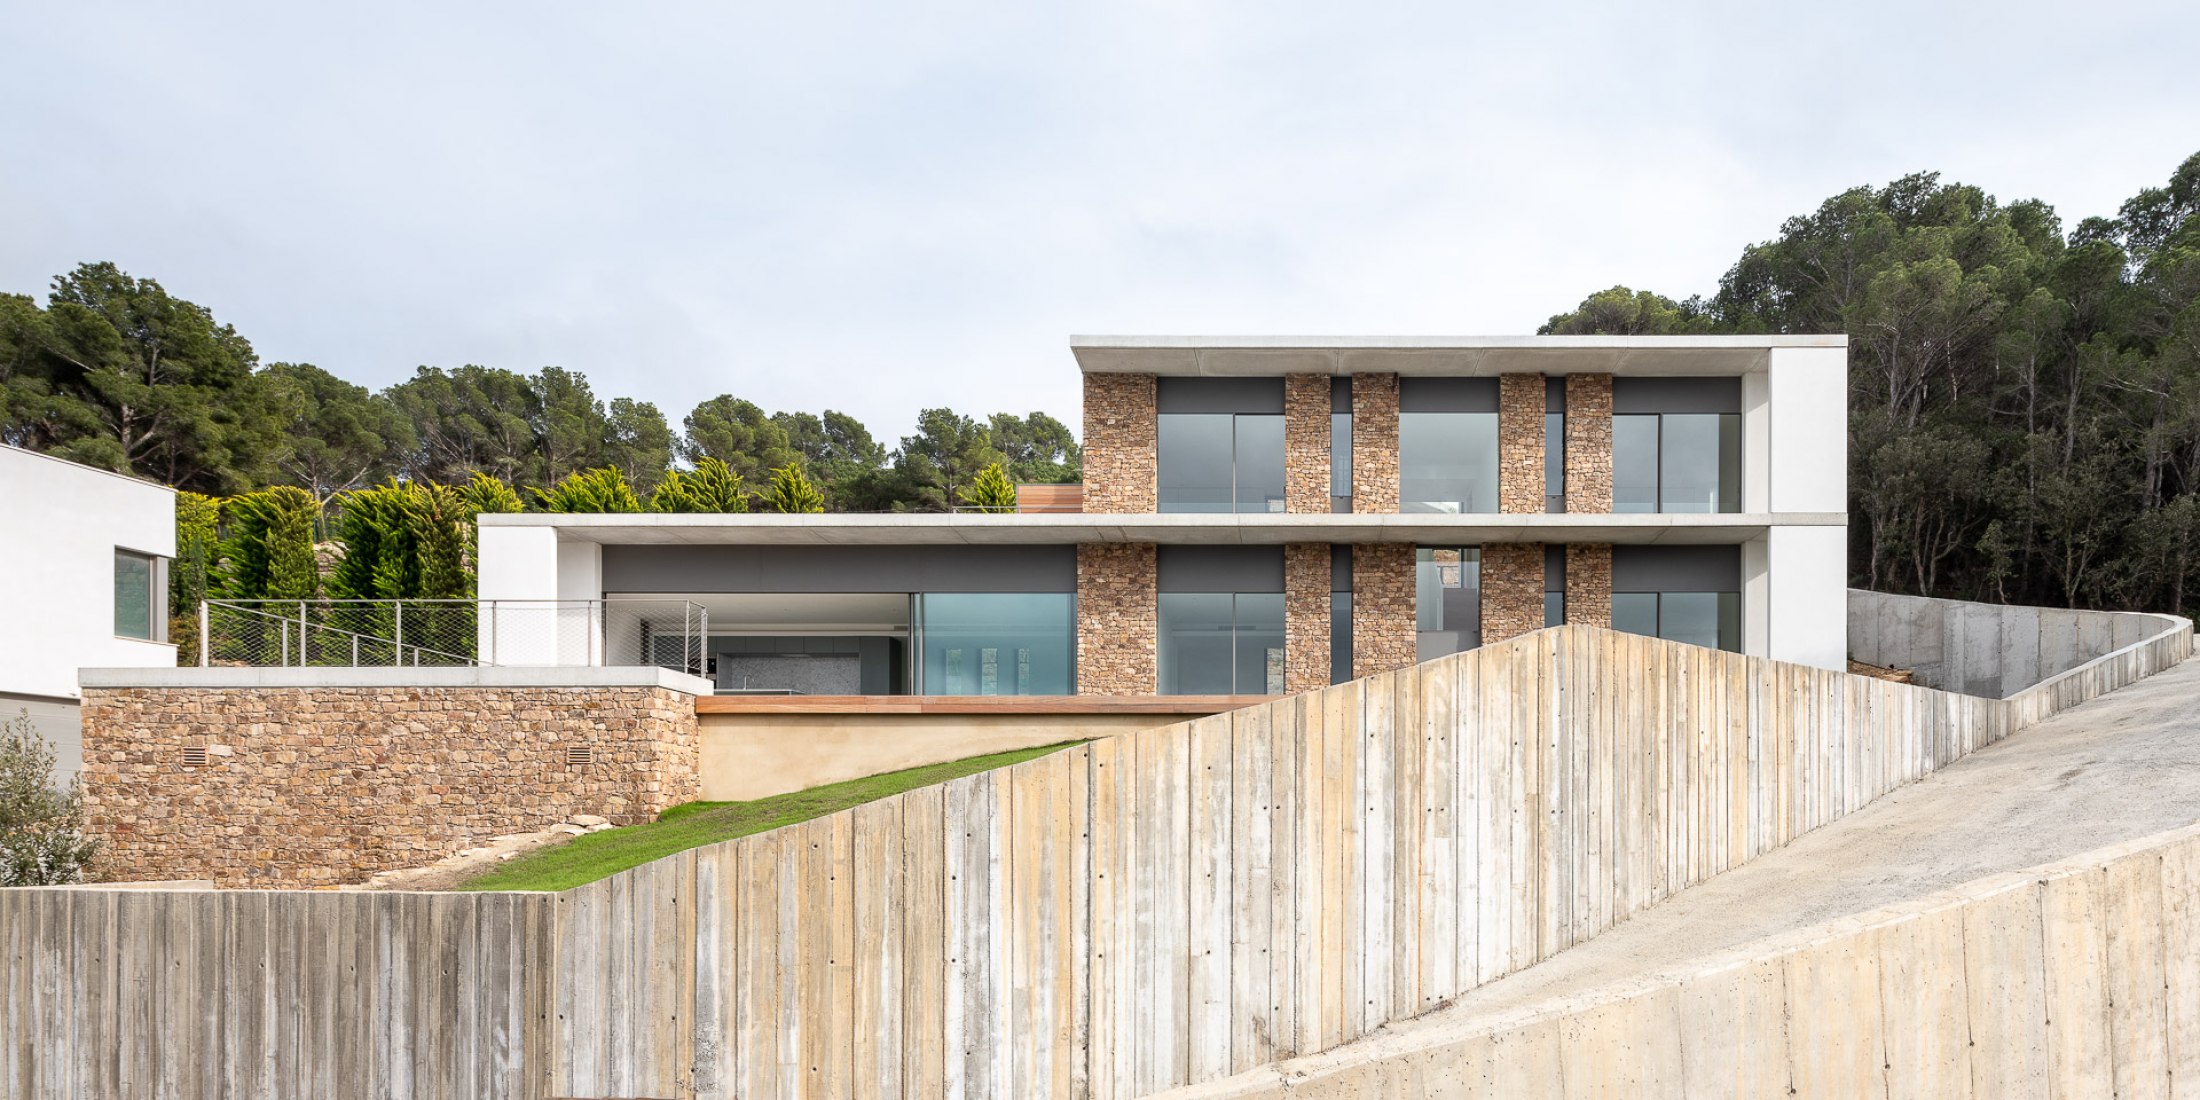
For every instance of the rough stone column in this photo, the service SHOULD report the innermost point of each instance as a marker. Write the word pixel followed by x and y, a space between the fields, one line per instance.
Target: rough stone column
pixel 1118 624
pixel 1375 452
pixel 1306 443
pixel 1382 604
pixel 1520 401
pixel 1589 584
pixel 1121 443
pixel 1512 590
pixel 1589 443
pixel 1305 616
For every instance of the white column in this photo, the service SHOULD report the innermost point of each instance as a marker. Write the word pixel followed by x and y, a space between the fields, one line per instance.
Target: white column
pixel 1807 572
pixel 1809 430
pixel 519 567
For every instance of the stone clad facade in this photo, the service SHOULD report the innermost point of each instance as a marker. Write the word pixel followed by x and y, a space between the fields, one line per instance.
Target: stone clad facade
pixel 1375 443
pixel 1306 443
pixel 1382 607
pixel 1305 616
pixel 1589 585
pixel 1520 443
pixel 1512 590
pixel 1121 445
pixel 322 786
pixel 1589 443
pixel 1118 618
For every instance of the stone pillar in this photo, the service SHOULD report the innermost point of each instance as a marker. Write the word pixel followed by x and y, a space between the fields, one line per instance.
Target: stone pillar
pixel 1118 621
pixel 1589 443
pixel 1306 443
pixel 1382 600
pixel 1305 616
pixel 1520 401
pixel 1589 584
pixel 1375 451
pixel 1121 443
pixel 1512 590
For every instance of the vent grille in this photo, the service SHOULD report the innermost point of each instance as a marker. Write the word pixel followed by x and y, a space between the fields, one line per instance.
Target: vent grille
pixel 580 754
pixel 194 757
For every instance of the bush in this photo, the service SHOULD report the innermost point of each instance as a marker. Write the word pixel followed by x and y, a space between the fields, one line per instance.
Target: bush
pixel 42 841
pixel 992 491
pixel 791 491
pixel 589 491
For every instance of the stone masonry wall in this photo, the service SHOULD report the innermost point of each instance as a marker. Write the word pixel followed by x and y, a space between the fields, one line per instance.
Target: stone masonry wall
pixel 1589 443
pixel 1306 443
pixel 1118 625
pixel 321 786
pixel 1520 443
pixel 1382 607
pixel 1305 616
pixel 1121 443
pixel 1375 447
pixel 1589 585
pixel 1512 590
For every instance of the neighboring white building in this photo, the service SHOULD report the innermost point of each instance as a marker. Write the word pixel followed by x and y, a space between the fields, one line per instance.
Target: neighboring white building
pixel 83 584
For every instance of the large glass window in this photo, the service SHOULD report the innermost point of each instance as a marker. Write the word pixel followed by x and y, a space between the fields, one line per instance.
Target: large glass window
pixel 1447 462
pixel 1220 462
pixel 996 643
pixel 1221 643
pixel 1447 600
pixel 1709 619
pixel 135 602
pixel 1677 462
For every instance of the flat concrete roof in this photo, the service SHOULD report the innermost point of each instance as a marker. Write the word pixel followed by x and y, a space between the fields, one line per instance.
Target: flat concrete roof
pixel 464 676
pixel 1192 529
pixel 1268 356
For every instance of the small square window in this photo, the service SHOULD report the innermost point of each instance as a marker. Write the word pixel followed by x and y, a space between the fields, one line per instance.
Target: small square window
pixel 137 595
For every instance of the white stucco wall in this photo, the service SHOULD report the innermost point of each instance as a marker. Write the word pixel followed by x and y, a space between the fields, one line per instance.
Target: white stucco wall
pixel 1806 580
pixel 1809 430
pixel 60 524
pixel 528 581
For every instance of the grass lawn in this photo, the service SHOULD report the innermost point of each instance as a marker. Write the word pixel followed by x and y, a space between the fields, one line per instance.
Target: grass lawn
pixel 585 859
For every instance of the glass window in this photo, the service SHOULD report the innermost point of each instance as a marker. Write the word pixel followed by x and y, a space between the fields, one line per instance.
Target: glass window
pixel 996 644
pixel 1259 463
pixel 1340 637
pixel 1677 462
pixel 1340 462
pixel 1554 609
pixel 1220 462
pixel 134 601
pixel 1634 464
pixel 1447 462
pixel 1221 643
pixel 1447 600
pixel 1554 462
pixel 1709 619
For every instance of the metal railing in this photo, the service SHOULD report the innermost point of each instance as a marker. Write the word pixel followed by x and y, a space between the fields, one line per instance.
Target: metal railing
pixel 425 633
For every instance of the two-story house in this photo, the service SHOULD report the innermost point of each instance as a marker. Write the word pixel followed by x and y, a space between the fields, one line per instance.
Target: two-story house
pixel 1266 515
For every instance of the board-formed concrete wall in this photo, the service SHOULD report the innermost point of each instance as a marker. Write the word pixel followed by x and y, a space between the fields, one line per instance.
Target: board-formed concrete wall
pixel 1148 911
pixel 2076 979
pixel 1990 650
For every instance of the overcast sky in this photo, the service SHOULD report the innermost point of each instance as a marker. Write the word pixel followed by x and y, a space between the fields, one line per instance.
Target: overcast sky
pixel 883 206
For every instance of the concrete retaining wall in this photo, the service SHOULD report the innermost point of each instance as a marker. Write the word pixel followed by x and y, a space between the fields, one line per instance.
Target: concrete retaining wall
pixel 1993 651
pixel 2077 979
pixel 1149 911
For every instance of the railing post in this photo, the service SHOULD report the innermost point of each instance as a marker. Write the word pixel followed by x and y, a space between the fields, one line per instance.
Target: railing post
pixel 204 618
pixel 283 647
pixel 302 634
pixel 355 651
pixel 492 632
pixel 397 648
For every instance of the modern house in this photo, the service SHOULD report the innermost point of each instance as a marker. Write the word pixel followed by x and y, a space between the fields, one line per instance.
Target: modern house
pixel 83 583
pixel 1266 515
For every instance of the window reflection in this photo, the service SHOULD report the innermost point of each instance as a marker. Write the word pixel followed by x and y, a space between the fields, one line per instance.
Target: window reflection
pixel 1447 462
pixel 1709 619
pixel 1221 643
pixel 1676 462
pixel 1447 600
pixel 997 643
pixel 1220 462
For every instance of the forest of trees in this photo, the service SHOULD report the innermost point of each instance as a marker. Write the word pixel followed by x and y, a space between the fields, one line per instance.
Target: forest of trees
pixel 2024 415
pixel 115 372
pixel 2024 399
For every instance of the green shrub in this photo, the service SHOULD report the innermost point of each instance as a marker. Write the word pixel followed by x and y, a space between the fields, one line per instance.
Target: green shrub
pixel 599 490
pixel 42 841
pixel 791 491
pixel 990 491
pixel 711 486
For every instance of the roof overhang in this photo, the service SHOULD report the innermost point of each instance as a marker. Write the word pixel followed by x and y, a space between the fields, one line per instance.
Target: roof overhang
pixel 1255 529
pixel 1446 356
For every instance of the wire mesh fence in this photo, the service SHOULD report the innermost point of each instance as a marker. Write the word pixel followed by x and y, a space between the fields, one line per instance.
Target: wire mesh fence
pixel 428 633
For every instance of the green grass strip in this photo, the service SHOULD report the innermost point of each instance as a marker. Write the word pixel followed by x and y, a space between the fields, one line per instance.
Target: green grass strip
pixel 584 859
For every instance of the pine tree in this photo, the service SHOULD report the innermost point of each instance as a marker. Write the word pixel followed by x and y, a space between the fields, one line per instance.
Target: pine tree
pixel 990 491
pixel 791 491
pixel 191 576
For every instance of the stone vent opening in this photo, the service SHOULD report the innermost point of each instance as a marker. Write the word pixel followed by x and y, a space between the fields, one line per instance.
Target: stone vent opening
pixel 580 754
pixel 194 757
